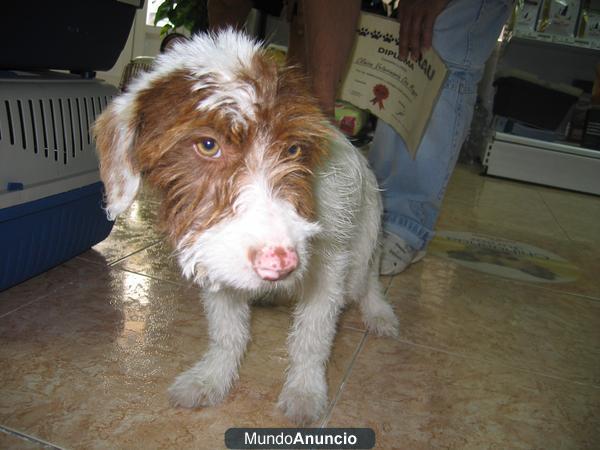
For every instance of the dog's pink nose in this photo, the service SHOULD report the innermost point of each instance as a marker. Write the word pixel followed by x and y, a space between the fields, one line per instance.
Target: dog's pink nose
pixel 273 263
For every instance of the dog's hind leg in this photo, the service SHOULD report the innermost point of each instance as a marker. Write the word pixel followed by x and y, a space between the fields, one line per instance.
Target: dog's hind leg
pixel 363 282
pixel 377 314
pixel 209 381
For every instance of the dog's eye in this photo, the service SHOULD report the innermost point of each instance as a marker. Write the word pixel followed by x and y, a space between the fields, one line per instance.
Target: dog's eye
pixel 294 151
pixel 208 147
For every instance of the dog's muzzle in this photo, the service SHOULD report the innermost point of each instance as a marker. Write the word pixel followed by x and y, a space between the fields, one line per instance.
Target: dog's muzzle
pixel 273 263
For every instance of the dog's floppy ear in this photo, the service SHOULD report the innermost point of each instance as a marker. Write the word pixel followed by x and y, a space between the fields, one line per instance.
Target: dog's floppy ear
pixel 115 134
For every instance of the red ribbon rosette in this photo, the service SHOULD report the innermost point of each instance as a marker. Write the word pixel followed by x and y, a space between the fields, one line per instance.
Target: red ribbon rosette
pixel 381 92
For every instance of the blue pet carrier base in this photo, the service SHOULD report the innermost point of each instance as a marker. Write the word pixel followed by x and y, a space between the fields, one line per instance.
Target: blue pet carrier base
pixel 36 236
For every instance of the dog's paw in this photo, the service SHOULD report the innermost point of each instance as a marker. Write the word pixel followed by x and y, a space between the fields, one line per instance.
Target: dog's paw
pixel 194 388
pixel 382 322
pixel 302 407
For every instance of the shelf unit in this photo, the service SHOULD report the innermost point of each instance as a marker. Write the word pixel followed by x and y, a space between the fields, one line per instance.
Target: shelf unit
pixel 553 164
pixel 557 164
pixel 572 43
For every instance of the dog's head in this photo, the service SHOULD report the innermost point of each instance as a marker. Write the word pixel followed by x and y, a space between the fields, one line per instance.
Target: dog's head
pixel 232 142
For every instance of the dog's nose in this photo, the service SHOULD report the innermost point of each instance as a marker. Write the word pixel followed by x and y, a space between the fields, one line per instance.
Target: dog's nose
pixel 273 263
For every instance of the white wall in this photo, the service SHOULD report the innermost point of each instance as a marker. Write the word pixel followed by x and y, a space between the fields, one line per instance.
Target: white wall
pixel 143 40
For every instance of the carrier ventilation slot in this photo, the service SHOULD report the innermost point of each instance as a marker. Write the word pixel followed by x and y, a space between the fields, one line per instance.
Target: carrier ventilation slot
pixel 18 124
pixel 87 122
pixel 44 128
pixel 53 118
pixel 33 121
pixel 22 125
pixel 62 130
pixel 95 108
pixel 58 128
pixel 11 129
pixel 79 122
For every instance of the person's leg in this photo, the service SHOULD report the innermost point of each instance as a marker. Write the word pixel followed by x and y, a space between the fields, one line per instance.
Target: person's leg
pixel 329 35
pixel 321 38
pixel 296 55
pixel 464 35
pixel 228 13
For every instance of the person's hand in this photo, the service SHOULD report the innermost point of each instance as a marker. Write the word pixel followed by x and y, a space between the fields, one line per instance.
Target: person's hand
pixel 416 19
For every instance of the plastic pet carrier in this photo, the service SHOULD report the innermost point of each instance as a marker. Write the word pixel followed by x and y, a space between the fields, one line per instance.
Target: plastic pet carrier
pixel 50 190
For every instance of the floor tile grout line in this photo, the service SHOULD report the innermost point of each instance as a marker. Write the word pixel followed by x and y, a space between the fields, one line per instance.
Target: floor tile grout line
pixel 118 260
pixel 29 438
pixel 361 344
pixel 554 217
pixel 533 285
pixel 389 284
pixel 92 261
pixel 22 306
pixel 507 365
pixel 342 384
pixel 153 277
pixel 511 366
pixel 351 328
pixel 43 296
pixel 543 287
pixel 558 291
pixel 37 299
pixel 454 198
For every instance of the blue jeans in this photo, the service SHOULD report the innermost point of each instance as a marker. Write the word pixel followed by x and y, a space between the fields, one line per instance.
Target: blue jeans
pixel 465 34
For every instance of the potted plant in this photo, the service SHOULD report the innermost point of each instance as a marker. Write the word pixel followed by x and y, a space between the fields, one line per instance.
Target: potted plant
pixel 189 14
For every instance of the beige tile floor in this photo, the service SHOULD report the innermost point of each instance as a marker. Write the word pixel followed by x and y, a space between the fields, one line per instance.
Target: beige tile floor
pixel 89 348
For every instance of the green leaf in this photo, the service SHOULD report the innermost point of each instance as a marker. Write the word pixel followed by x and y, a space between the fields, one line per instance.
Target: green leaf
pixel 181 13
pixel 163 11
pixel 165 29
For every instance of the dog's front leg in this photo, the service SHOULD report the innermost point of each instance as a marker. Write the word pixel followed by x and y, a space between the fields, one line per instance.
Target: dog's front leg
pixel 304 395
pixel 209 381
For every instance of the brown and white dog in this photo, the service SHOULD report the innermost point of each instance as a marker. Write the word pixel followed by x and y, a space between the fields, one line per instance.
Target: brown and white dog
pixel 261 196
